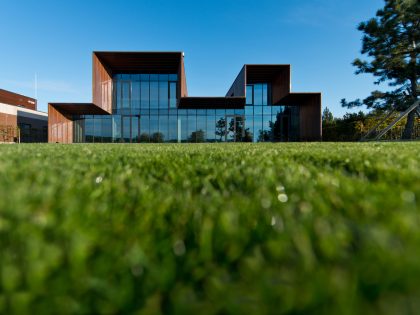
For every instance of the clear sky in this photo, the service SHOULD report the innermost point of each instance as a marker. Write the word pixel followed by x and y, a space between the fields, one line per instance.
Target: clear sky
pixel 55 39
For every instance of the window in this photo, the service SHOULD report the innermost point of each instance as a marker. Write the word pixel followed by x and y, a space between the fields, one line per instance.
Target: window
pixel 172 94
pixel 264 94
pixel 154 94
pixel 145 111
pixel 144 93
pixel 249 95
pixel 258 94
pixel 163 94
pixel 125 94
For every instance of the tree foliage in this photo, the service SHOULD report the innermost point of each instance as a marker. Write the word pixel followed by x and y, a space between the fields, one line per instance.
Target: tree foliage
pixel 353 126
pixel 391 44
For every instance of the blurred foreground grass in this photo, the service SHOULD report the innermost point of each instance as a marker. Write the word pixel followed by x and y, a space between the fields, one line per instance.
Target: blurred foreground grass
pixel 210 229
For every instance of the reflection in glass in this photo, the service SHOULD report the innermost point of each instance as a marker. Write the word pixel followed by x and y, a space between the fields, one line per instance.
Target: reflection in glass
pixel 154 94
pixel 144 94
pixel 126 129
pixel 163 94
pixel 135 128
pixel 154 127
pixel 264 94
pixel 125 94
pixel 116 128
pixel 135 95
pixel 258 94
pixel 249 95
pixel 144 110
pixel 173 129
pixel 211 128
pixel 172 94
pixel 144 129
pixel 163 127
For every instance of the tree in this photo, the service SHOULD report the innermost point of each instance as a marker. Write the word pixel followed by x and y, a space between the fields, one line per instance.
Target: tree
pixel 157 137
pixel 144 137
pixel 221 128
pixel 197 136
pixel 391 42
pixel 329 126
pixel 327 116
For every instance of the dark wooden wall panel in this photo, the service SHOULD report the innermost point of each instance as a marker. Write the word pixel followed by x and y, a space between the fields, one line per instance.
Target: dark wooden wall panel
pixel 280 86
pixel 182 85
pixel 101 85
pixel 60 126
pixel 238 87
pixel 10 98
pixel 310 119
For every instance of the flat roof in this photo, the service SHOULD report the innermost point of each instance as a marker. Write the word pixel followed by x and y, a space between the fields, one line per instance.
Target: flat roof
pixel 256 73
pixel 79 108
pixel 140 61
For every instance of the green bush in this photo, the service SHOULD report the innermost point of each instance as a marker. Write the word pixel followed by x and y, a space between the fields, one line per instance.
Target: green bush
pixel 210 229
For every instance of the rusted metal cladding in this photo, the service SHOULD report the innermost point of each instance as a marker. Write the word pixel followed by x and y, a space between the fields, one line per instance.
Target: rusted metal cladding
pixel 60 126
pixel 280 86
pixel 238 87
pixel 8 127
pixel 11 98
pixel 101 85
pixel 8 120
pixel 182 88
pixel 310 119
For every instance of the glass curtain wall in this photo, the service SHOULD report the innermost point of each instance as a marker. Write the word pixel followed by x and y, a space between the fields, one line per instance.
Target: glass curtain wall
pixel 144 110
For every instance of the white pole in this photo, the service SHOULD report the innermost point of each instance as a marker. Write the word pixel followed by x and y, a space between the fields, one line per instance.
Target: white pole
pixel 36 86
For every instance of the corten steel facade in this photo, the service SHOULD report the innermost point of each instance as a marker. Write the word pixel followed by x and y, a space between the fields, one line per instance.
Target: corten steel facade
pixel 20 120
pixel 142 97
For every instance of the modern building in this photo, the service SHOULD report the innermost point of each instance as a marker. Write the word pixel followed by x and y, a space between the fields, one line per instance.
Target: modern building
pixel 142 97
pixel 20 121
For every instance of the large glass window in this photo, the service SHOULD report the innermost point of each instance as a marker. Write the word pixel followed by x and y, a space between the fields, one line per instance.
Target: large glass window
pixel 163 127
pixel 200 135
pixel 173 129
pixel 144 128
pixel 154 94
pixel 135 97
pixel 264 94
pixel 183 128
pixel 154 129
pixel 211 128
pixel 249 95
pixel 144 94
pixel 145 110
pixel 192 126
pixel 116 128
pixel 163 94
pixel 107 129
pixel 89 129
pixel 258 93
pixel 172 94
pixel 125 94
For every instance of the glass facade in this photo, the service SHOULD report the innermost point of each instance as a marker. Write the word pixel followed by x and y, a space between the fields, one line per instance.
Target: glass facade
pixel 144 109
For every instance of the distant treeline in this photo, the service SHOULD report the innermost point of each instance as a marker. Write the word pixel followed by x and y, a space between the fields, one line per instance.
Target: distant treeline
pixel 353 126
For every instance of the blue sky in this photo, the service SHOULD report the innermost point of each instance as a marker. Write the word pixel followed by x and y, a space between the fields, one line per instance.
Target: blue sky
pixel 54 40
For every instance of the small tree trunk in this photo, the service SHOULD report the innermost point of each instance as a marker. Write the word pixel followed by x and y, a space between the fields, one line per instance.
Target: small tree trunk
pixel 409 126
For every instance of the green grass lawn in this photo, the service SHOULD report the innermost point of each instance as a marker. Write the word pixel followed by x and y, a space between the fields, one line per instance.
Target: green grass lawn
pixel 210 229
